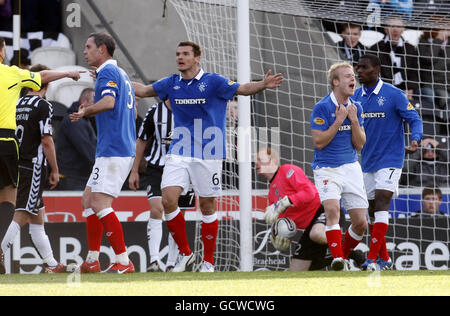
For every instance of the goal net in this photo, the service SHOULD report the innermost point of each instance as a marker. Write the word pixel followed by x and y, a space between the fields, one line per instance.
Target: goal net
pixel 300 40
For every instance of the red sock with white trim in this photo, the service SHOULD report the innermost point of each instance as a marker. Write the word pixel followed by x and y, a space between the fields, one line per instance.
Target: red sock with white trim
pixel 177 228
pixel 334 240
pixel 377 237
pixel 210 229
pixel 351 240
pixel 113 230
pixel 94 231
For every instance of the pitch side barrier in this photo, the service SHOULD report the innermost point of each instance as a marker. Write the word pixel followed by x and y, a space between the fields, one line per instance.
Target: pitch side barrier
pixel 65 206
pixel 414 243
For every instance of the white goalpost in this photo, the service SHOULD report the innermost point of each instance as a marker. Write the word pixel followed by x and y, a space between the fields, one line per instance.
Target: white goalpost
pixel 242 40
pixel 244 138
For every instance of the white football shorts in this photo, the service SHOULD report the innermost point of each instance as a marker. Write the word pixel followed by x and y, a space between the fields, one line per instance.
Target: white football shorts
pixel 344 182
pixel 383 179
pixel 109 173
pixel 205 175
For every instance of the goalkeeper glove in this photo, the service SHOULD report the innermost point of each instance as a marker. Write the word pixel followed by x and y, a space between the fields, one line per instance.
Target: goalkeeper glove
pixel 273 210
pixel 280 243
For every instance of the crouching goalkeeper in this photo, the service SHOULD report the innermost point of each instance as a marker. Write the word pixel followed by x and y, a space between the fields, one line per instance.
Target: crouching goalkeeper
pixel 293 195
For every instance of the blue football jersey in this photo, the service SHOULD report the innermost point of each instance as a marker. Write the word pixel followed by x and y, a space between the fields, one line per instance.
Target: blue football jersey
pixel 199 107
pixel 116 128
pixel 385 109
pixel 340 150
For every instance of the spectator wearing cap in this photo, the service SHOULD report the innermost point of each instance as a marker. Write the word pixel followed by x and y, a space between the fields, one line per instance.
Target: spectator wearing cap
pixel 431 168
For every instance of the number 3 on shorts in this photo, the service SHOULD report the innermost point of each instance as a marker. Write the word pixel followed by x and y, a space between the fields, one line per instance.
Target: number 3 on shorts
pixel 95 173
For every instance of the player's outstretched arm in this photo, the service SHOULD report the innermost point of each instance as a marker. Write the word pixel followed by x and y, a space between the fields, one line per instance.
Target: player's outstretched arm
pixel 52 75
pixel 270 82
pixel 105 104
pixel 143 91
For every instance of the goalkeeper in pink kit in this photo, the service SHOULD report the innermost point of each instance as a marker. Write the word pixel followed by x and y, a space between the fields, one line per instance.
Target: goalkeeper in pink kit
pixel 293 195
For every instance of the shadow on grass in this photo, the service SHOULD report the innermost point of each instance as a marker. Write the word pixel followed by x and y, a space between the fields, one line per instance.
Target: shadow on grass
pixel 22 279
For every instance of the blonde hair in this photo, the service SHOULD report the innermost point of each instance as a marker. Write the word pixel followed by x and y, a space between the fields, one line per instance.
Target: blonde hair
pixel 271 153
pixel 333 71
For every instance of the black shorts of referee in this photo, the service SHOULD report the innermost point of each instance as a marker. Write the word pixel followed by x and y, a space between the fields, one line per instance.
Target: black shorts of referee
pixel 9 159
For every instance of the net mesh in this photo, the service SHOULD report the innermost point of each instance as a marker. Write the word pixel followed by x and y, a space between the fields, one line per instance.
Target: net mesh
pixel 299 39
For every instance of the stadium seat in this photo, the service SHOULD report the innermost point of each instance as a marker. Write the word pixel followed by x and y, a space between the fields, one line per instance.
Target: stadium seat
pixel 67 91
pixel 335 37
pixel 53 57
pixel 369 38
pixel 412 36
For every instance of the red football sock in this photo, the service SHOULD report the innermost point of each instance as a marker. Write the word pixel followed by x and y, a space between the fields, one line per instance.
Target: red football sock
pixel 376 240
pixel 209 236
pixel 334 239
pixel 177 227
pixel 114 232
pixel 383 254
pixel 349 244
pixel 94 231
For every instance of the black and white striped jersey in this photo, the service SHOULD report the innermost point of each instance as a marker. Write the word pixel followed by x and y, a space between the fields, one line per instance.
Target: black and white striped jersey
pixel 157 128
pixel 34 120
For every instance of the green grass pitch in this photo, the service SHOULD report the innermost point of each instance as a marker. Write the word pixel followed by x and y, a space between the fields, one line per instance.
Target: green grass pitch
pixel 263 283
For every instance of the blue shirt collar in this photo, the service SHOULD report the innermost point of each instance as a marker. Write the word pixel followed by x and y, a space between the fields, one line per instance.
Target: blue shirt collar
pixel 336 103
pixel 376 90
pixel 197 77
pixel 108 62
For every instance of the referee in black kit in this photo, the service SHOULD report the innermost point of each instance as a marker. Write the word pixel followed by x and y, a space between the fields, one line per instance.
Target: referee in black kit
pixel 154 138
